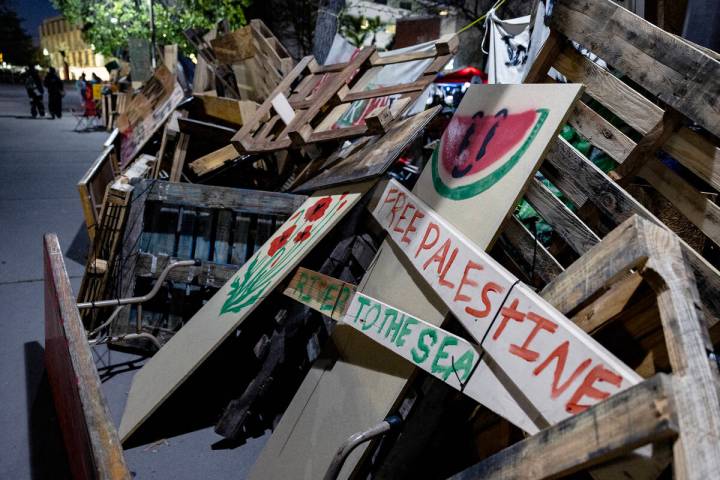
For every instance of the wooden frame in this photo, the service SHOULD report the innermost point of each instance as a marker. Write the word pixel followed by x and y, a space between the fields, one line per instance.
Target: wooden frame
pixel 91 441
pixel 92 186
pixel 684 407
pixel 308 111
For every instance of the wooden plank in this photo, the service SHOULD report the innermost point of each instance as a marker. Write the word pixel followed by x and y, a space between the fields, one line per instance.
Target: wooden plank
pixel 566 223
pixel 90 438
pixel 178 163
pixel 221 249
pixel 91 188
pixel 696 153
pixel 375 157
pixel 601 133
pixel 214 160
pixel 677 73
pixel 208 131
pixel 531 250
pixel 241 230
pixel 699 209
pixel 361 369
pixel 619 205
pixel 641 415
pixel 228 308
pixel 485 297
pixel 636 110
pixel 210 196
pixel 323 293
pixel 227 110
pixel 234 47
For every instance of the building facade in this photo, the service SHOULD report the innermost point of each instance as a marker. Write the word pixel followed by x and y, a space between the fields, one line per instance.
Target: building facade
pixel 66 50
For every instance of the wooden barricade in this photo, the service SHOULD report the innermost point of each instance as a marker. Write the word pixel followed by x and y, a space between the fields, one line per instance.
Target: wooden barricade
pixel 91 441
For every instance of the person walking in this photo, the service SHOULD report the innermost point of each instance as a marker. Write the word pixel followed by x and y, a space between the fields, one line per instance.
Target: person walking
pixel 81 85
pixel 35 91
pixel 56 91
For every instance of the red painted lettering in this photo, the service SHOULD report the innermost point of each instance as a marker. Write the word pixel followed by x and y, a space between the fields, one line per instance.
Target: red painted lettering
pixel 411 227
pixel 424 244
pixel 561 353
pixel 508 313
pixel 397 228
pixel 487 305
pixel 541 323
pixel 399 203
pixel 440 256
pixel 587 389
pixel 442 281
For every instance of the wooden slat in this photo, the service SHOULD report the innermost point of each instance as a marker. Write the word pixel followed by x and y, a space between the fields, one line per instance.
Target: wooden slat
pixel 179 157
pixel 91 441
pixel 696 153
pixel 565 222
pixel 640 415
pixel 619 205
pixel 600 132
pixel 214 160
pixel 700 210
pixel 251 201
pixel 636 110
pixel 677 73
pixel 546 267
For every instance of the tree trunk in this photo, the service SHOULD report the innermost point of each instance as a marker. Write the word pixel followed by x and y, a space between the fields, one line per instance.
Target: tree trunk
pixel 326 26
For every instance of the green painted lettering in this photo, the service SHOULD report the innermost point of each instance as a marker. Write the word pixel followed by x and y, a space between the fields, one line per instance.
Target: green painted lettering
pixel 389 312
pixel 326 302
pixel 300 287
pixel 465 364
pixel 394 326
pixel 364 302
pixel 443 370
pixel 405 330
pixel 422 355
pixel 375 308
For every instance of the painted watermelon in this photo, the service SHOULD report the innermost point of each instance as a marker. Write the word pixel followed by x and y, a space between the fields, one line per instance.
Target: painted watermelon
pixel 476 151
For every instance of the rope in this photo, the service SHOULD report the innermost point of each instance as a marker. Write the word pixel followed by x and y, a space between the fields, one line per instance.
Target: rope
pixel 482 17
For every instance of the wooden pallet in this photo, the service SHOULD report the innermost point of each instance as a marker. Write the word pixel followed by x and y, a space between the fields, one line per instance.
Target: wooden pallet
pixel 306 106
pixel 220 227
pixel 681 407
pixel 651 58
pixel 91 441
pixel 108 240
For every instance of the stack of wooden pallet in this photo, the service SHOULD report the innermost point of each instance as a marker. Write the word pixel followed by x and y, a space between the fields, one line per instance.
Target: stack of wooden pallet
pixel 579 342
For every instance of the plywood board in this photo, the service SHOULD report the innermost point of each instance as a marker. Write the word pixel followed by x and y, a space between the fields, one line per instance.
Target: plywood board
pixel 232 304
pixel 531 345
pixel 364 384
pixel 375 157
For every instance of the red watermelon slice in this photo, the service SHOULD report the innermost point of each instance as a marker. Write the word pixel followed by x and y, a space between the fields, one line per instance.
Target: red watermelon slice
pixel 471 144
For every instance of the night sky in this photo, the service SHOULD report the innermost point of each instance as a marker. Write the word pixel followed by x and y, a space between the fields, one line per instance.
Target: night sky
pixel 33 12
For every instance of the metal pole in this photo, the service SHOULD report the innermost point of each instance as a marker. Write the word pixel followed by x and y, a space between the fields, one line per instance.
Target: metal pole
pixel 152 36
pixel 144 298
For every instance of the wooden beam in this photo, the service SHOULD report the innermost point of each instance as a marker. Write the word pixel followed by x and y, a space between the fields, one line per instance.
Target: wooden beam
pixel 87 428
pixel 210 196
pixel 638 416
pixel 214 160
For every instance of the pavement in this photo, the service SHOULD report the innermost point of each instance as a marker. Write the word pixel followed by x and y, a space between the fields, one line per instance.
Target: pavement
pixel 41 161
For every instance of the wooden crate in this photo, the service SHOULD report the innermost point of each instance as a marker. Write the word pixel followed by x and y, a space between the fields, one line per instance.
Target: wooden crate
pixel 220 227
pixel 107 240
pixel 91 440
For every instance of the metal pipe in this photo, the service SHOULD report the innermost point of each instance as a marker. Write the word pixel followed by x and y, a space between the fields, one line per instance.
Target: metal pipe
pixel 144 298
pixel 390 423
pixel 107 322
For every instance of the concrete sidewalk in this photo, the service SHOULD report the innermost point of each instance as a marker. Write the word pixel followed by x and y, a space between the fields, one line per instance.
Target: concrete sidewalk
pixel 41 161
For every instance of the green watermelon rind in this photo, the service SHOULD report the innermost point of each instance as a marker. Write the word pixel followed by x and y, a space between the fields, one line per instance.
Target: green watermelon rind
pixel 470 190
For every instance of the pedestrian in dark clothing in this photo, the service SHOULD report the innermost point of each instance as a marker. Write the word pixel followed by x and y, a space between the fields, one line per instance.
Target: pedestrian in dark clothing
pixel 81 85
pixel 55 93
pixel 35 91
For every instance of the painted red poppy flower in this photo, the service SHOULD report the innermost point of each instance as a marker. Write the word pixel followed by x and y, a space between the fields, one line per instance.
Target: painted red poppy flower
pixel 318 210
pixel 303 234
pixel 280 241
